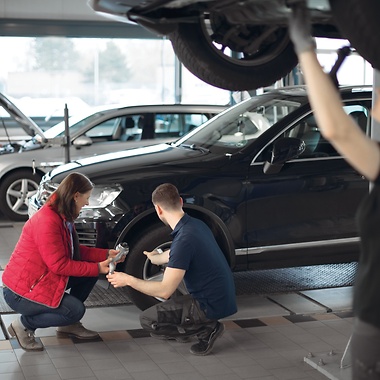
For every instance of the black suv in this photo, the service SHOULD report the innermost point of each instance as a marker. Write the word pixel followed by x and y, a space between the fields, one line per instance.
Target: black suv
pixel 273 190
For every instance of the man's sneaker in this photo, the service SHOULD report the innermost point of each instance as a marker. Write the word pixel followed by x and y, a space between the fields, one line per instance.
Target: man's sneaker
pixel 204 346
pixel 76 330
pixel 180 339
pixel 24 336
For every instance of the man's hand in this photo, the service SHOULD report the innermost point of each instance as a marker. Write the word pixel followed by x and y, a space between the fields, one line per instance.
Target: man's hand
pixel 300 28
pixel 118 279
pixel 157 258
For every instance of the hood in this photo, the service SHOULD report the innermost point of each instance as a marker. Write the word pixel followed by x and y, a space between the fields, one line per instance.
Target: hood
pixel 135 161
pixel 28 125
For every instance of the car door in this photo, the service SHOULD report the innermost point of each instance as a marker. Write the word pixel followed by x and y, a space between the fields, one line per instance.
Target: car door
pixel 313 198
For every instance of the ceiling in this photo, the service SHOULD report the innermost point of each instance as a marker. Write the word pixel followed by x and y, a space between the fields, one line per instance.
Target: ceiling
pixel 72 18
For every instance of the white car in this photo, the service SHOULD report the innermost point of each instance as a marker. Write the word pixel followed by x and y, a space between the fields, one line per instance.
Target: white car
pixel 23 164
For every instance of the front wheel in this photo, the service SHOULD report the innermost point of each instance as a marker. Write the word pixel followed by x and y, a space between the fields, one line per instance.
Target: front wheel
pixel 15 192
pixel 137 265
pixel 234 57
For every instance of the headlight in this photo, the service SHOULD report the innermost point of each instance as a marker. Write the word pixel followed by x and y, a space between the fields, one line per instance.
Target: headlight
pixel 101 196
pixel 45 189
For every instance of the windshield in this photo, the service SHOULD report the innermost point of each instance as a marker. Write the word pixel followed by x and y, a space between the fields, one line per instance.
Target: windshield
pixel 75 123
pixel 240 125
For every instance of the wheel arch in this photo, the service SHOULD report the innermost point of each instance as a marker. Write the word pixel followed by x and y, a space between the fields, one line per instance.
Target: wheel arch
pixel 20 168
pixel 218 228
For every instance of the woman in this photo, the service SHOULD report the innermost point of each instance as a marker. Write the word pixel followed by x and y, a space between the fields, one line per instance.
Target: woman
pixel 47 261
pixel 364 155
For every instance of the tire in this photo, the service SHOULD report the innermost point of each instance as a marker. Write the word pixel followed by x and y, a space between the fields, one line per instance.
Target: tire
pixel 15 191
pixel 358 21
pixel 274 58
pixel 137 265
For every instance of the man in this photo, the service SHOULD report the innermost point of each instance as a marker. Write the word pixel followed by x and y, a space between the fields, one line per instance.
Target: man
pixel 195 257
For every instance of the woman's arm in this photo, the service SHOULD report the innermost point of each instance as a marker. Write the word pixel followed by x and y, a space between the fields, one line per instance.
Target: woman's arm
pixel 335 125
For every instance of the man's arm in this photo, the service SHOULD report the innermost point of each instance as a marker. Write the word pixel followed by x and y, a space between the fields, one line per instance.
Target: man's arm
pixel 163 289
pixel 158 257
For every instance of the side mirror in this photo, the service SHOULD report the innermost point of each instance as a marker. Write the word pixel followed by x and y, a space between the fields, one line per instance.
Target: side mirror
pixel 82 141
pixel 284 150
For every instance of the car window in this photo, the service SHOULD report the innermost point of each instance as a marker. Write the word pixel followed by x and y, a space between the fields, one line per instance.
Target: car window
pixel 315 144
pixel 361 115
pixel 145 126
pixel 76 123
pixel 105 131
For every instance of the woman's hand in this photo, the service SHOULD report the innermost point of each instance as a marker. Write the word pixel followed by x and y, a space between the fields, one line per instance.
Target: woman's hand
pixel 103 266
pixel 300 28
pixel 113 253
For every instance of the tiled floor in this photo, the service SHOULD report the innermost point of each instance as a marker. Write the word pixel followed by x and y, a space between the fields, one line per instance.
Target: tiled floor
pixel 268 339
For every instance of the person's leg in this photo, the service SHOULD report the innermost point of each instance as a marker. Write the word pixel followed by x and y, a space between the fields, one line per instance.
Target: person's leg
pixel 365 351
pixel 24 336
pixel 81 287
pixel 180 318
pixel 35 315
pixel 206 340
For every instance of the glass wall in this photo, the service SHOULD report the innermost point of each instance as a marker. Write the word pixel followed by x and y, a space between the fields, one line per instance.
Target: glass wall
pixel 42 74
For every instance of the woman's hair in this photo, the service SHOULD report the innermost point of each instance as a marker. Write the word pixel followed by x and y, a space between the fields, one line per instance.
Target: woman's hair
pixel 62 200
pixel 167 196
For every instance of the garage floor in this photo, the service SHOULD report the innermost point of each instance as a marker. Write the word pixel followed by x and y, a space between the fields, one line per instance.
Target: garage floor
pixel 296 335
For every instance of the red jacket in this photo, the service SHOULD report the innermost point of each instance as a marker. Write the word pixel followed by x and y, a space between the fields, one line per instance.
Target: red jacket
pixel 41 264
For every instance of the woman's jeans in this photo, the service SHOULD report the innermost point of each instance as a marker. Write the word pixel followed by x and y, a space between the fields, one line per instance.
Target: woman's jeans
pixel 70 310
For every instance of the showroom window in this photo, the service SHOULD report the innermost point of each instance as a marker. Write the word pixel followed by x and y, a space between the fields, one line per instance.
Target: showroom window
pixel 41 74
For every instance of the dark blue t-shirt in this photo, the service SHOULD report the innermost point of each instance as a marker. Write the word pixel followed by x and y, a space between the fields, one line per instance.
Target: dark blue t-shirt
pixel 208 277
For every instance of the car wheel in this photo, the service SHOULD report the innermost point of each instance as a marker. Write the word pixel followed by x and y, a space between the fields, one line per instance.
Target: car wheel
pixel 260 54
pixel 15 191
pixel 139 266
pixel 358 22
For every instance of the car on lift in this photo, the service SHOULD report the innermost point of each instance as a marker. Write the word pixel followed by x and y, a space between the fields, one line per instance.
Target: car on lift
pixel 244 45
pixel 23 163
pixel 274 192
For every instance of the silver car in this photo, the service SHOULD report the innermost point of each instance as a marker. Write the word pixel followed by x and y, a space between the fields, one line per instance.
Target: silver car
pixel 23 164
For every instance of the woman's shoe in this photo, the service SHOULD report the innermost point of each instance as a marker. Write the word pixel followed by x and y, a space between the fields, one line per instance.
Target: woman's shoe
pixel 24 336
pixel 76 330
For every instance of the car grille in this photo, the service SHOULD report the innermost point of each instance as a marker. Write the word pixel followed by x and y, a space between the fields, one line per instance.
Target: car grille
pixel 86 236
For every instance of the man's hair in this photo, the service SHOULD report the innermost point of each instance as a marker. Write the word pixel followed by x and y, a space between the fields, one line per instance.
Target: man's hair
pixel 62 200
pixel 167 196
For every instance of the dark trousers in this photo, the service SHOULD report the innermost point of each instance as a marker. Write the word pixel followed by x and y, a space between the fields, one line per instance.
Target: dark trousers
pixel 365 351
pixel 70 310
pixel 178 317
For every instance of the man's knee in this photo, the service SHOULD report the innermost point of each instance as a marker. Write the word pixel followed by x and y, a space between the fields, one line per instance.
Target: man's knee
pixel 148 320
